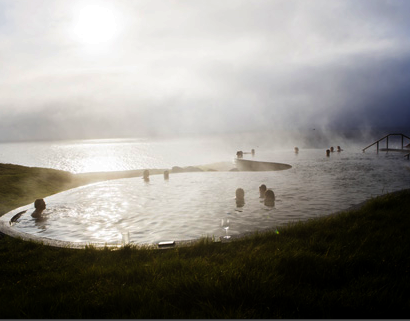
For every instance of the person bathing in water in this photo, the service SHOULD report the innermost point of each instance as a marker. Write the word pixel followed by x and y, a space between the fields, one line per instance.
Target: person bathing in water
pixel 262 190
pixel 240 197
pixel 40 206
pixel 269 198
pixel 267 194
pixel 146 175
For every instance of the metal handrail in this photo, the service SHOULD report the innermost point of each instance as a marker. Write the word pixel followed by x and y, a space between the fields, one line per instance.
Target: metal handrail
pixel 387 136
pixel 375 142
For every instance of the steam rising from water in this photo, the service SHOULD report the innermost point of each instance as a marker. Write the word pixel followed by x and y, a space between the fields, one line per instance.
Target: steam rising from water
pixel 191 205
pixel 128 154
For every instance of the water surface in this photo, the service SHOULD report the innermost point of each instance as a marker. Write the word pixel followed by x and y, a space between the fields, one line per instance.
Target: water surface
pixel 192 205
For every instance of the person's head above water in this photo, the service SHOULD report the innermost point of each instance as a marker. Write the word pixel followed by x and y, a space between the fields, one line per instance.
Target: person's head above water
pixel 269 198
pixel 240 194
pixel 240 197
pixel 40 206
pixel 146 174
pixel 262 190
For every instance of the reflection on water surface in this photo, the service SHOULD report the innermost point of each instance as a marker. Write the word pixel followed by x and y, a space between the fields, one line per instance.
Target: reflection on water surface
pixel 192 205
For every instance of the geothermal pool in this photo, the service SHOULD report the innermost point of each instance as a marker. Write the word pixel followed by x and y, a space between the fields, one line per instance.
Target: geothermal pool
pixel 192 205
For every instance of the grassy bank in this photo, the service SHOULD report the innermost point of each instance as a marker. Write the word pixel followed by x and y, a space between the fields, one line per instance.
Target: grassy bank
pixel 351 265
pixel 21 185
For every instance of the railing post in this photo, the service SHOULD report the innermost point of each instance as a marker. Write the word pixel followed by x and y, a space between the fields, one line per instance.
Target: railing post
pixel 377 143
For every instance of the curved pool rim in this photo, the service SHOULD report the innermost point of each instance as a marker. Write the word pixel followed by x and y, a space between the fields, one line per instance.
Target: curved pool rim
pixel 6 228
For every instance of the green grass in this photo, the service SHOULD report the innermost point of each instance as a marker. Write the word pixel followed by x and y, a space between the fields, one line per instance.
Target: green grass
pixel 20 185
pixel 352 265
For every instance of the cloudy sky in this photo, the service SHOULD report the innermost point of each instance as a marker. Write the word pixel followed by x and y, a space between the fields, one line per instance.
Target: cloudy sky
pixel 125 68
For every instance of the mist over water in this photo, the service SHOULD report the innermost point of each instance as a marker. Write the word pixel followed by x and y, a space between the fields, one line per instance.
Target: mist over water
pixel 191 205
pixel 97 155
pixel 197 81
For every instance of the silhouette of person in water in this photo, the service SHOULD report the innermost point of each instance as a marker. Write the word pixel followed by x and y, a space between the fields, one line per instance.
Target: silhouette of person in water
pixel 240 197
pixel 40 206
pixel 166 175
pixel 146 175
pixel 262 190
pixel 269 198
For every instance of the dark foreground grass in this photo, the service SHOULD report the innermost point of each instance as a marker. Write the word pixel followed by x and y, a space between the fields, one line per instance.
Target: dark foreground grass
pixel 352 265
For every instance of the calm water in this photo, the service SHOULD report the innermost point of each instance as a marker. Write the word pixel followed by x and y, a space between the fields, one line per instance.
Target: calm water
pixel 191 205
pixel 127 154
pixel 119 154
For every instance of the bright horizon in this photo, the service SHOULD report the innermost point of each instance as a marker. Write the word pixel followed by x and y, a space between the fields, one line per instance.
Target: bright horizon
pixel 107 69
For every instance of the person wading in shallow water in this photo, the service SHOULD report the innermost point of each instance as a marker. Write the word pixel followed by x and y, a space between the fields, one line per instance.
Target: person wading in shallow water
pixel 40 206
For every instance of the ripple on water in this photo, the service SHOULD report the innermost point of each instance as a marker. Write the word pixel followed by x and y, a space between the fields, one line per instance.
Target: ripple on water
pixel 192 205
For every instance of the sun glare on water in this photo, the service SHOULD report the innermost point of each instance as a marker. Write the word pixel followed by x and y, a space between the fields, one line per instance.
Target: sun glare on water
pixel 95 24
